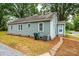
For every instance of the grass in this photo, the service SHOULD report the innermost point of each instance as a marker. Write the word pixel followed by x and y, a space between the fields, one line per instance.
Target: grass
pixel 27 45
pixel 68 32
pixel 72 37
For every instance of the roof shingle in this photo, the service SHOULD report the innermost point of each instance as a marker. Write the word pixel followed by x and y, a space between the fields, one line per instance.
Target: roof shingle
pixel 35 18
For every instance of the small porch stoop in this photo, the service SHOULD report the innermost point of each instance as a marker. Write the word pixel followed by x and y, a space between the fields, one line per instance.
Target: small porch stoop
pixel 54 49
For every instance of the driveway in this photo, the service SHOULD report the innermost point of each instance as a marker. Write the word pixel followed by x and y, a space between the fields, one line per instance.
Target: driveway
pixel 75 32
pixel 7 51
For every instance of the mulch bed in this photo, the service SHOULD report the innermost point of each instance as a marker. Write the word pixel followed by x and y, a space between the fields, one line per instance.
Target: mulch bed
pixel 68 48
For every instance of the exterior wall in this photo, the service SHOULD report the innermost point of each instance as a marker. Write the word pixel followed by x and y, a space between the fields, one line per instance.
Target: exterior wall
pixel 61 26
pixel 53 26
pixel 50 28
pixel 29 30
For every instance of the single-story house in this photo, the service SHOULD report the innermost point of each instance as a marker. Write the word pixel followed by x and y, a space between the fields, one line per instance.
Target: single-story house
pixel 46 25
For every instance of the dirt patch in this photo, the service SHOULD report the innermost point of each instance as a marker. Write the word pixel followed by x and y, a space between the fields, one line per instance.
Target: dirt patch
pixel 68 48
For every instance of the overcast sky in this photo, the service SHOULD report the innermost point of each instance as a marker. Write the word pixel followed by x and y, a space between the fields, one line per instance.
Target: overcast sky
pixel 39 7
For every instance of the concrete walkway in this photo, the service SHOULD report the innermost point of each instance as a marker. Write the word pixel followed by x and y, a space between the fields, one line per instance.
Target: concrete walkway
pixel 45 54
pixel 7 51
pixel 54 49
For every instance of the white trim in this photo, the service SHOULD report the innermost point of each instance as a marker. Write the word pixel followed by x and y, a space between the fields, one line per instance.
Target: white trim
pixel 43 27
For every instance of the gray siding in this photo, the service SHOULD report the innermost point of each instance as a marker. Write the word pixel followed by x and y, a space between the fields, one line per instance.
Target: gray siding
pixel 29 30
pixel 53 26
pixel 50 28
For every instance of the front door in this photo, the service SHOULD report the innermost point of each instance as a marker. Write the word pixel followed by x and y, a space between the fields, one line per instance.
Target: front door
pixel 60 29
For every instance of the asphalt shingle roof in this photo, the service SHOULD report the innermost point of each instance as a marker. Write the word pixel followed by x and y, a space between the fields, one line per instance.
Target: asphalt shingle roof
pixel 35 18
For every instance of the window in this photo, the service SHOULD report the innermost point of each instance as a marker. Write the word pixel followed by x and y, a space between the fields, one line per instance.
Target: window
pixel 28 25
pixel 41 27
pixel 19 27
pixel 60 30
pixel 11 27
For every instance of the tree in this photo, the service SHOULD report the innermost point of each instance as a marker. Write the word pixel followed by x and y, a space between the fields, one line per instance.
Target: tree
pixel 76 23
pixel 63 9
pixel 15 9
pixel 69 26
pixel 22 10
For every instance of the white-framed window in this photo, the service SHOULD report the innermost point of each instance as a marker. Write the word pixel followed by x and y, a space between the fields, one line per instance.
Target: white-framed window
pixel 11 27
pixel 41 27
pixel 19 27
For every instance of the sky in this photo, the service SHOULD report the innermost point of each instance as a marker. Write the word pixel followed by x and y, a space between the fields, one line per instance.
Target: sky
pixel 70 18
pixel 39 7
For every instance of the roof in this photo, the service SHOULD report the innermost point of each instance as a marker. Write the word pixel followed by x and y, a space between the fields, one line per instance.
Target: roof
pixel 35 18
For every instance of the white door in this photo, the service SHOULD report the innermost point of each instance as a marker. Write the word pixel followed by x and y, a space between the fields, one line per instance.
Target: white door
pixel 60 29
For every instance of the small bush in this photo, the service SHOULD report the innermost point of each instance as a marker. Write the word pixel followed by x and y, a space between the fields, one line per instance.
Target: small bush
pixel 3 28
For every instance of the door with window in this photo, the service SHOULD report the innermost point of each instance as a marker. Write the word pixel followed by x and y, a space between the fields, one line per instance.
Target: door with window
pixel 60 29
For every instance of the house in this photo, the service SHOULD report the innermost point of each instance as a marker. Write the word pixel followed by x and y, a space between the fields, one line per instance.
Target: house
pixel 46 25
